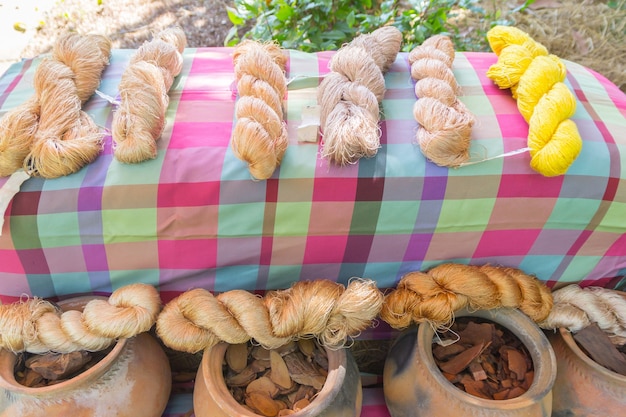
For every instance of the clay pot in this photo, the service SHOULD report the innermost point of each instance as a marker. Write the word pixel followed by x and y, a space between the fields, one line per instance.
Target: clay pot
pixel 340 396
pixel 133 380
pixel 414 386
pixel 583 387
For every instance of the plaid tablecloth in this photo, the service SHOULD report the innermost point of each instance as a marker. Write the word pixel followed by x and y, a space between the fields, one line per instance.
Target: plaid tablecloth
pixel 193 217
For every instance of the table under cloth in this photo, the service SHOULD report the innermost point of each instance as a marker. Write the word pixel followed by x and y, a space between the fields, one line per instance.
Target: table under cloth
pixel 193 217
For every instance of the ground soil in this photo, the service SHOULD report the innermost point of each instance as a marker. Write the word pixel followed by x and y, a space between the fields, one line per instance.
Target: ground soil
pixel 588 32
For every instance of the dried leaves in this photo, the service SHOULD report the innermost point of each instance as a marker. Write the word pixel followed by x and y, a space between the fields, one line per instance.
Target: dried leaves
pixel 277 382
pixel 486 361
pixel 37 371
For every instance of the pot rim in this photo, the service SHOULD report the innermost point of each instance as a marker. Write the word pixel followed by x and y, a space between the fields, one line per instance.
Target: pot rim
pixel 544 368
pixel 211 365
pixel 8 358
pixel 568 339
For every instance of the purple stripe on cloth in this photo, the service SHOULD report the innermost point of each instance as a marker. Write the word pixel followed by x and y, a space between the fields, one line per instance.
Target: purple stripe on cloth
pixel 89 199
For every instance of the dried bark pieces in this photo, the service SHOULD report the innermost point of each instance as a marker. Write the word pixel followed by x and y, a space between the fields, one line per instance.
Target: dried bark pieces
pixel 40 370
pixel 276 382
pixel 597 345
pixel 486 361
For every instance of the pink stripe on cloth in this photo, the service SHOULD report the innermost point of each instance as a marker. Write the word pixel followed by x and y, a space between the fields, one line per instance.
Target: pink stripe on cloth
pixel 374 403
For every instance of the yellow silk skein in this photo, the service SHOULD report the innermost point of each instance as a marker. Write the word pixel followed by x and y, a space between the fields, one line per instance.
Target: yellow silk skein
pixel 536 80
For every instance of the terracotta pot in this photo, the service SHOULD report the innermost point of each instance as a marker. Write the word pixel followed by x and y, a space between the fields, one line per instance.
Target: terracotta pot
pixel 583 387
pixel 414 386
pixel 340 396
pixel 133 380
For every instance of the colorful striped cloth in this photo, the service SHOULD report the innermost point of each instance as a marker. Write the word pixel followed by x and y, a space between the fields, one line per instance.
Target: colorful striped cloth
pixel 193 217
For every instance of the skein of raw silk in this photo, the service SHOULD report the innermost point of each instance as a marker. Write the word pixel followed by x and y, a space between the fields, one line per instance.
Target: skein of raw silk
pixel 140 119
pixel 575 308
pixel 445 122
pixel 49 135
pixel 38 326
pixel 536 80
pixel 435 295
pixel 197 320
pixel 260 136
pixel 350 95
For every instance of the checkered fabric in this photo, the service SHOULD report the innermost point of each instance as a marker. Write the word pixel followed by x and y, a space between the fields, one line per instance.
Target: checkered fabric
pixel 193 217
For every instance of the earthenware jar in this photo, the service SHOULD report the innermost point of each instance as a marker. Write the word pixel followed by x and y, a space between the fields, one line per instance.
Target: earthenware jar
pixel 414 386
pixel 340 396
pixel 583 388
pixel 133 380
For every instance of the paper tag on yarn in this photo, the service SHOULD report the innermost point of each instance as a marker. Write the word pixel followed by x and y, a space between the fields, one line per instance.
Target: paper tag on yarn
pixel 8 190
pixel 308 131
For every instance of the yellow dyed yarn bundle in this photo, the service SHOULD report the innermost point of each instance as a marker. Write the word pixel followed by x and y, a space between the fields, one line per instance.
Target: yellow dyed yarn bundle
pixel 445 122
pixel 49 135
pixel 546 103
pixel 260 135
pixel 139 121
pixel 350 95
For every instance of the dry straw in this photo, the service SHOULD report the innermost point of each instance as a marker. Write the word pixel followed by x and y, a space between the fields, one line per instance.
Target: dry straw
pixel 575 308
pixel 197 320
pixel 546 103
pixel 445 122
pixel 38 326
pixel 590 33
pixel 49 135
pixel 139 121
pixel 350 95
pixel 435 295
pixel 260 135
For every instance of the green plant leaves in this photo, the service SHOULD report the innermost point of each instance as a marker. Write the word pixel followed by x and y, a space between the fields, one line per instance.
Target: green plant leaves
pixel 319 25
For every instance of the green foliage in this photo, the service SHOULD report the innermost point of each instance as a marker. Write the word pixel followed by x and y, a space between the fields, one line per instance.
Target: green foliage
pixel 319 25
pixel 306 25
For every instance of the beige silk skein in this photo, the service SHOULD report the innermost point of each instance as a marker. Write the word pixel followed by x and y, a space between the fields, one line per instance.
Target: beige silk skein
pixel 445 123
pixel 49 135
pixel 435 295
pixel 350 95
pixel 140 119
pixel 260 136
pixel 197 320
pixel 38 326
pixel 575 308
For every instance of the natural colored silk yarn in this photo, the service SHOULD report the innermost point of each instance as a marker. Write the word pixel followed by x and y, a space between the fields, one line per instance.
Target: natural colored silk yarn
pixel 546 103
pixel 197 320
pixel 17 131
pixel 350 95
pixel 576 307
pixel 260 135
pixel 445 122
pixel 37 326
pixel 324 308
pixel 435 295
pixel 49 135
pixel 140 119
